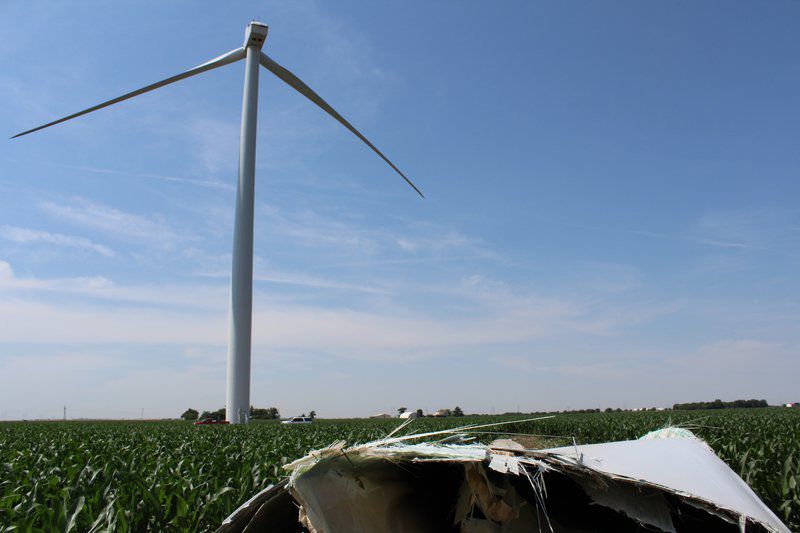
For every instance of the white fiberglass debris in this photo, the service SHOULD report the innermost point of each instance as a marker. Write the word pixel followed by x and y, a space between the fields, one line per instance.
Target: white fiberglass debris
pixel 684 466
pixel 669 432
pixel 669 480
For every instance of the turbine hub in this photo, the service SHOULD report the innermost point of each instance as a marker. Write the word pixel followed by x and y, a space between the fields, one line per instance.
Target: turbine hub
pixel 255 34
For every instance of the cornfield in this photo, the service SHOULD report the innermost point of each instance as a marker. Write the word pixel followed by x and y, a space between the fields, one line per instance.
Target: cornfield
pixel 172 476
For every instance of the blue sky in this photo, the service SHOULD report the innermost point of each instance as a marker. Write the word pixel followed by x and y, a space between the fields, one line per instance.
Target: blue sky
pixel 611 217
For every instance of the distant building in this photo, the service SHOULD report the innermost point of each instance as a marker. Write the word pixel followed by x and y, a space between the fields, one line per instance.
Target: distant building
pixel 408 414
pixel 795 404
pixel 382 415
pixel 441 413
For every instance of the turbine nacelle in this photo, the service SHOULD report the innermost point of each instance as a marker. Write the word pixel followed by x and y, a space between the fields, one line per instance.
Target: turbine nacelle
pixel 255 34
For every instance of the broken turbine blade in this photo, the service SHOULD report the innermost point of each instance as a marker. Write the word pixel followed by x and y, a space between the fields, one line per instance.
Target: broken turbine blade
pixel 669 483
pixel 224 59
pixel 298 85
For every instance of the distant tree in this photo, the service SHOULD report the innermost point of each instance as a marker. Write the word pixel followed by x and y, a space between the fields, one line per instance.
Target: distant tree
pixel 219 414
pixel 719 404
pixel 457 411
pixel 312 414
pixel 401 410
pixel 270 413
pixel 609 410
pixel 420 414
pixel 303 415
pixel 190 414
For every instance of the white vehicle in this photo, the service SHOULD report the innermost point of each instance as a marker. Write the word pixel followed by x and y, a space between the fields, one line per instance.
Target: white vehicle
pixel 298 420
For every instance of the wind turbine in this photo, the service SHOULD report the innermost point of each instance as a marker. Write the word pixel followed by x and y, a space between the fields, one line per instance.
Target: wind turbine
pixel 237 403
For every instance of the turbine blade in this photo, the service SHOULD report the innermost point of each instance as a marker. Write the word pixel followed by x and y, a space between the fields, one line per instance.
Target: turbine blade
pixel 224 59
pixel 298 85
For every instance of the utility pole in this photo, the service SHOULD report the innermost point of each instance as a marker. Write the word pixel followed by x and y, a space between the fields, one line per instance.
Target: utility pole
pixel 142 414
pixel 65 413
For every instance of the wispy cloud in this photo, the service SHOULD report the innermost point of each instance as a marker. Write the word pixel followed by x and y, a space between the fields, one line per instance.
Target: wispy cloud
pixel 758 229
pixel 498 314
pixel 344 62
pixel 162 177
pixel 309 228
pixel 752 229
pixel 9 281
pixel 408 261
pixel 336 235
pixel 299 279
pixel 111 220
pixel 27 235
pixel 532 365
pixel 218 142
pixel 85 290
pixel 725 244
pixel 436 240
pixel 737 355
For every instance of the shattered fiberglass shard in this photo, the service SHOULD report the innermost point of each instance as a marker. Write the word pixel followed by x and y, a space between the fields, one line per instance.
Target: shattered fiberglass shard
pixel 669 480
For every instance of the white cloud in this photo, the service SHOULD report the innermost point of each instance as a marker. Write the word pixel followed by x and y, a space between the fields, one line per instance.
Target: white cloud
pixel 753 229
pixel 496 313
pixel 111 220
pixel 407 245
pixel 26 320
pixel 309 228
pixel 567 340
pixel 27 235
pixel 217 142
pixel 162 177
pixel 339 332
pixel 187 296
pixel 597 370
pixel 738 355
pixel 107 382
pixel 339 239
pixel 344 63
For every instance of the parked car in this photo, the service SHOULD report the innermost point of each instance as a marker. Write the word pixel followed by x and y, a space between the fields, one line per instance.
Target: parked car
pixel 208 421
pixel 298 420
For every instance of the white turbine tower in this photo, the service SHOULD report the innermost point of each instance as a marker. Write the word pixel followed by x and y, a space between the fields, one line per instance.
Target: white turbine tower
pixel 238 384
